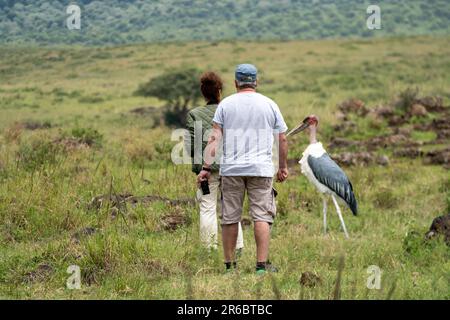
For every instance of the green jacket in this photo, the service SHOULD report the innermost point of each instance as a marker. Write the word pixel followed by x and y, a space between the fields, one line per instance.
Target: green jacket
pixel 205 115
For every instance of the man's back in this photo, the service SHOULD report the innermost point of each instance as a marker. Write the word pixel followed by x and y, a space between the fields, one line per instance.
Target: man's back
pixel 249 121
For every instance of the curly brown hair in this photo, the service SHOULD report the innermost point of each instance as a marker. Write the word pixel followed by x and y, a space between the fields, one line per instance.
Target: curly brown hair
pixel 211 86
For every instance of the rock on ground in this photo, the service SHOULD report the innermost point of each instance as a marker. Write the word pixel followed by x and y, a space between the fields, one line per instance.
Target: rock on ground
pixel 440 226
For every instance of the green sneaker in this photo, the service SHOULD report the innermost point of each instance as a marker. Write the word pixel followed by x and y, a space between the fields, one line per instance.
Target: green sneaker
pixel 263 267
pixel 261 272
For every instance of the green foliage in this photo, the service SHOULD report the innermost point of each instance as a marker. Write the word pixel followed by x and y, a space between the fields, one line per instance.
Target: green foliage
pixel 406 98
pixel 176 87
pixel 37 153
pixel 88 136
pixel 179 88
pixel 425 136
pixel 129 21
pixel 419 250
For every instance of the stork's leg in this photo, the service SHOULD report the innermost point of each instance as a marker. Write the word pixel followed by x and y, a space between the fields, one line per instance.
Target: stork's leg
pixel 340 215
pixel 325 215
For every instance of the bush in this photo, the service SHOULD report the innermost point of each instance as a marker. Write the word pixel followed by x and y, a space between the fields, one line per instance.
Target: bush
pixel 37 153
pixel 406 98
pixel 13 133
pixel 413 243
pixel 88 136
pixel 178 88
pixel 138 148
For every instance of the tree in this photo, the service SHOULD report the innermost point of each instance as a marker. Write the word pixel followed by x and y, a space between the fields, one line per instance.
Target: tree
pixel 179 88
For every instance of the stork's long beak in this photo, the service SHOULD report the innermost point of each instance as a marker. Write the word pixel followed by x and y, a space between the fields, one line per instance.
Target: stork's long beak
pixel 298 129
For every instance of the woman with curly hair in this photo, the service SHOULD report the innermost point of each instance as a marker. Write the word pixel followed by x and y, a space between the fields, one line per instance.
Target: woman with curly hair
pixel 199 122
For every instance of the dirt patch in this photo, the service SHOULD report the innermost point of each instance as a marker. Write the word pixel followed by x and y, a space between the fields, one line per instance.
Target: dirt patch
pixel 69 143
pixel 119 200
pixel 310 280
pixel 337 142
pixel 436 157
pixel 353 105
pixel 440 226
pixel 382 112
pixel 346 126
pixel 360 159
pixel 387 141
pixel 41 273
pixel 174 220
pixel 410 152
pixel 436 125
pixel 440 157
pixel 35 125
pixel 431 104
pixel 396 113
pixel 401 116
pixel 375 143
pixel 155 267
pixel 418 110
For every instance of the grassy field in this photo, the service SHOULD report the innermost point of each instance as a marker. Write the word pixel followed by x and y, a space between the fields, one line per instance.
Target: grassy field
pixel 86 143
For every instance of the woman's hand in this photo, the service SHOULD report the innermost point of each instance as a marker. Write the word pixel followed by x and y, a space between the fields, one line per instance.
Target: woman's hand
pixel 202 176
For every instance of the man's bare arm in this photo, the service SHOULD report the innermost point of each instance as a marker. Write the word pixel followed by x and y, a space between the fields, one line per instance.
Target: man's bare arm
pixel 282 158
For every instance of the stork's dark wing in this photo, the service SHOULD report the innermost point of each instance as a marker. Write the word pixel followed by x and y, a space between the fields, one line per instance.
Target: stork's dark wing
pixel 331 175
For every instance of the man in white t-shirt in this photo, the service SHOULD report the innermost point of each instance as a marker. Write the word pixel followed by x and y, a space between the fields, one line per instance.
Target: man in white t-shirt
pixel 247 123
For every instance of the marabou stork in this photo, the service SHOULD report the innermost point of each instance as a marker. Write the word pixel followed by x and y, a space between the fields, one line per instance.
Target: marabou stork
pixel 324 173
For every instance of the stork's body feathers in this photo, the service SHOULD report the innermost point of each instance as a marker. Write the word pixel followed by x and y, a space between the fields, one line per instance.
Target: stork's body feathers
pixel 326 175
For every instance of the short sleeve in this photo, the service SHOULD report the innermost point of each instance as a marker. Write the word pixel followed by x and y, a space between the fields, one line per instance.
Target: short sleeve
pixel 218 116
pixel 280 126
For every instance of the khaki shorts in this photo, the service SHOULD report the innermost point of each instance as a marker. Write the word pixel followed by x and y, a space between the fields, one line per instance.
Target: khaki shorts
pixel 261 196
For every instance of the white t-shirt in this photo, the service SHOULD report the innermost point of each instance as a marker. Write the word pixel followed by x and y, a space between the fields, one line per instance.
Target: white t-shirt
pixel 249 121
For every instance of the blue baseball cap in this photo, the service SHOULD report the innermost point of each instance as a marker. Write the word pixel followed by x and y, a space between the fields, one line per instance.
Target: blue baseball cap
pixel 246 73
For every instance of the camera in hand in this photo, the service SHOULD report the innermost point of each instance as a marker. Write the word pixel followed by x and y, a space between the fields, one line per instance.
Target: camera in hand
pixel 205 187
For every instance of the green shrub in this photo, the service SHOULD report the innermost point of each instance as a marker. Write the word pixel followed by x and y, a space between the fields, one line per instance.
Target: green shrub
pixel 179 88
pixel 406 98
pixel 37 153
pixel 88 136
pixel 413 242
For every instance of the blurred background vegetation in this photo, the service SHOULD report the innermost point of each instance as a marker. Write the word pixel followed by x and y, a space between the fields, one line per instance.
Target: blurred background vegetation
pixel 131 21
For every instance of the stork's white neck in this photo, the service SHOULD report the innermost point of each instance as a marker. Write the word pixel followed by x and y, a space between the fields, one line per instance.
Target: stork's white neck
pixel 312 134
